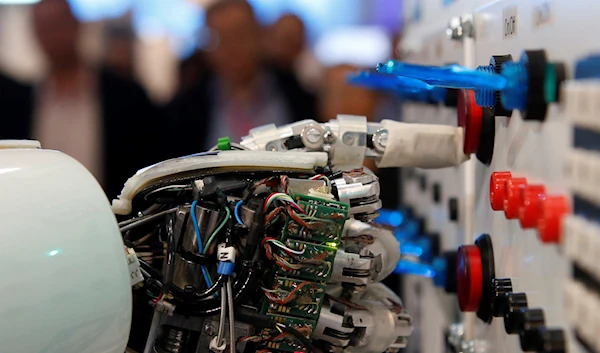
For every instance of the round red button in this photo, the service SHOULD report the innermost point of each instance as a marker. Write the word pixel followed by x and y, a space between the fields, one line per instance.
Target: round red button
pixel 512 196
pixel 497 184
pixel 532 203
pixel 553 210
pixel 469 278
pixel 470 117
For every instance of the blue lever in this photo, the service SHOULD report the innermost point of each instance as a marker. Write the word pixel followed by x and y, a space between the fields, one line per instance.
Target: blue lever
pixel 390 218
pixel 410 88
pixel 420 248
pixel 450 76
pixel 405 267
pixel 409 229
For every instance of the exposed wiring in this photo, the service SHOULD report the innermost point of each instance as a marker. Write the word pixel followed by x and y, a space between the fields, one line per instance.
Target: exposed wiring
pixel 282 246
pixel 321 177
pixel 236 211
pixel 199 241
pixel 168 187
pixel 280 196
pixel 217 230
pixel 132 223
pixel 290 295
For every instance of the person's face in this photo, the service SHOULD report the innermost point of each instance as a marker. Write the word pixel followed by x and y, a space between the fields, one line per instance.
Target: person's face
pixel 56 30
pixel 286 40
pixel 236 55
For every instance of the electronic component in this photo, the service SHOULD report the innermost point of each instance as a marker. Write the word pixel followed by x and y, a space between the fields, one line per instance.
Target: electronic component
pixel 294 297
pixel 276 339
pixel 314 263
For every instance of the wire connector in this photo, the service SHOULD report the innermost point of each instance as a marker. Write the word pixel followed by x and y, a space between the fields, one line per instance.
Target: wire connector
pixel 165 307
pixel 226 259
pixel 133 264
pixel 217 346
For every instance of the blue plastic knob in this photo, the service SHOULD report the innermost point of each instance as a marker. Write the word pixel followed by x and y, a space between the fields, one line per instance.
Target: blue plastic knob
pixel 514 96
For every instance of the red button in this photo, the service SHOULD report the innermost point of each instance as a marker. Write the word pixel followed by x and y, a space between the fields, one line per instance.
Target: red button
pixel 470 117
pixel 512 196
pixel 469 277
pixel 497 183
pixel 532 203
pixel 553 210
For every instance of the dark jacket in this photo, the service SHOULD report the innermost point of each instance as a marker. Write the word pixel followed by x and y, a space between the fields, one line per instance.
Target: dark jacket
pixel 191 111
pixel 130 123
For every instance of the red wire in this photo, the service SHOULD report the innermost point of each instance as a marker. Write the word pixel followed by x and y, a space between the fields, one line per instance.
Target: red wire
pixel 290 296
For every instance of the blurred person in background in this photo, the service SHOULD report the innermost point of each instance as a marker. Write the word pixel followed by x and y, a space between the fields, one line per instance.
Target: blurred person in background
pixel 285 50
pixel 104 121
pixel 119 55
pixel 239 92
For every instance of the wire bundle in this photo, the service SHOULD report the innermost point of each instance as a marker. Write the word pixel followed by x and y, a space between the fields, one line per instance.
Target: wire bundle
pixel 288 295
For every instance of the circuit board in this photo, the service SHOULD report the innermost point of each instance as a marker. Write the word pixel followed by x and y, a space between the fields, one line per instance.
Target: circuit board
pixel 326 220
pixel 297 289
pixel 314 264
pixel 285 342
pixel 305 298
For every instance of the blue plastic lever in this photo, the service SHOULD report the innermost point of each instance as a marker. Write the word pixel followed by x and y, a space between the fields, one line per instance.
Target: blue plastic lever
pixel 405 267
pixel 450 76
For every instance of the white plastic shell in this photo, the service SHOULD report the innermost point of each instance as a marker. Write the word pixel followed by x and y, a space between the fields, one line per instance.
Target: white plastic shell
pixel 256 160
pixel 65 284
pixel 422 145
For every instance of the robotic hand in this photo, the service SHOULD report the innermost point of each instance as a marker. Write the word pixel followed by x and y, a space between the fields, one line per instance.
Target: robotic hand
pixel 275 240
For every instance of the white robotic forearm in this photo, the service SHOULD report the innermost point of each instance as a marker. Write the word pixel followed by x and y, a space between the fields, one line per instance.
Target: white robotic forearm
pixel 348 140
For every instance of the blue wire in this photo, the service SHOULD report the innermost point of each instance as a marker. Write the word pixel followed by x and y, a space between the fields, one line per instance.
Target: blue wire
pixel 236 211
pixel 199 240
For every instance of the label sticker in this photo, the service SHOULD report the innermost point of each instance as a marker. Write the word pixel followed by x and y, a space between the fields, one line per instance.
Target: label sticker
pixel 509 22
pixel 542 12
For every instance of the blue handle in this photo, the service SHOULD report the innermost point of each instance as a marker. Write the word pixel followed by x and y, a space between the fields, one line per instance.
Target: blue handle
pixel 450 76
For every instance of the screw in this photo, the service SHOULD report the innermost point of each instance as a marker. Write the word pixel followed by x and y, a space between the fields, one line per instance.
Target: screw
pixel 209 329
pixel 313 135
pixel 348 139
pixel 328 137
pixel 271 147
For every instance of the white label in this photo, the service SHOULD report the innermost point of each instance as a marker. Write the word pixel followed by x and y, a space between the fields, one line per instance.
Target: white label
pixel 543 13
pixel 509 22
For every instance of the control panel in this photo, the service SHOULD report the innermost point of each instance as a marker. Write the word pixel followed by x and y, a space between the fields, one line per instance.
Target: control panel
pixel 519 223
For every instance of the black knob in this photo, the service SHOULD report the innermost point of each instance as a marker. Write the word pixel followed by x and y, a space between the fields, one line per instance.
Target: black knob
pixel 543 339
pixel 451 258
pixel 453 209
pixel 423 182
pixel 437 193
pixel 530 321
pixel 500 287
pixel 514 303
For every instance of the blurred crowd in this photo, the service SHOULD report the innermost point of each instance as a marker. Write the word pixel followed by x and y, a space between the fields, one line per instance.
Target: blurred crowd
pixel 248 75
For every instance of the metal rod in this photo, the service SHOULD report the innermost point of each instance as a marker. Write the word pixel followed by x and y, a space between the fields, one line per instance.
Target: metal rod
pixel 129 224
pixel 156 320
pixel 231 315
pixel 222 319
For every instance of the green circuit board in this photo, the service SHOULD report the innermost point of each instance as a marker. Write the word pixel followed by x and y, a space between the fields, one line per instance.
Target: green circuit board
pixel 315 263
pixel 285 342
pixel 306 298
